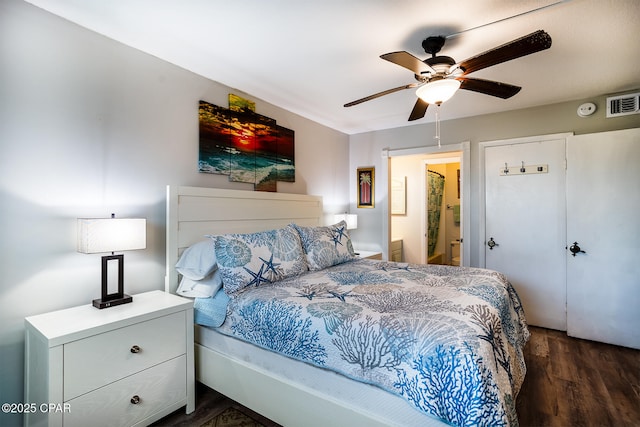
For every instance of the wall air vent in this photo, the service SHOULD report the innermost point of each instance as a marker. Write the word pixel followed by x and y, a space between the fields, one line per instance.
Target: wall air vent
pixel 623 105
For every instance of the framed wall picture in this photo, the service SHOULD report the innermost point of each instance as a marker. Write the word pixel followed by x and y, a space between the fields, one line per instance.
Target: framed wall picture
pixel 244 145
pixel 366 187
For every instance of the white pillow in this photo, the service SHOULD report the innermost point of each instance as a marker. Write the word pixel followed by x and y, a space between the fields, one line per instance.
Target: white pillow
pixel 198 260
pixel 204 288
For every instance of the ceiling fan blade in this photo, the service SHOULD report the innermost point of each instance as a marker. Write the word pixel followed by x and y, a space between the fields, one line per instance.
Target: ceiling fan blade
pixel 408 61
pixel 379 94
pixel 419 110
pixel 532 43
pixel 488 87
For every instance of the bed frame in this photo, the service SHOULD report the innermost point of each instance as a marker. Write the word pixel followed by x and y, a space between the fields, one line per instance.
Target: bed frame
pixel 193 212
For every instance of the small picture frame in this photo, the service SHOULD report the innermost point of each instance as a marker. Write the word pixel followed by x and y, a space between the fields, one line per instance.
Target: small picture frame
pixel 366 187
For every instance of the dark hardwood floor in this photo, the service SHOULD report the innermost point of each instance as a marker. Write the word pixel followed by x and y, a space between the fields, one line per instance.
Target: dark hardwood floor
pixel 574 382
pixel 209 403
pixel 569 383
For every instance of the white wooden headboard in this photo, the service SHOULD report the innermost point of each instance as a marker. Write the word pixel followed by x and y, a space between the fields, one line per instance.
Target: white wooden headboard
pixel 193 212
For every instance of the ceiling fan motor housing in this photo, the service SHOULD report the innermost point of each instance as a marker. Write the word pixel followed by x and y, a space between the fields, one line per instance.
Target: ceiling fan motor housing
pixel 443 67
pixel 440 63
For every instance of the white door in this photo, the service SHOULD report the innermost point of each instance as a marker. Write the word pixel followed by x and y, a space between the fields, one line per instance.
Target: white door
pixel 603 202
pixel 525 218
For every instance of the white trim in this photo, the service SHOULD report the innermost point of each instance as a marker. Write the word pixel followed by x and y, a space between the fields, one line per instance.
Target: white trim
pixel 465 176
pixel 482 218
pixel 424 150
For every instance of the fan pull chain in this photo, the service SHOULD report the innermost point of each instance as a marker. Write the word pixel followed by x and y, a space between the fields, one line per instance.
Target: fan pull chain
pixel 437 137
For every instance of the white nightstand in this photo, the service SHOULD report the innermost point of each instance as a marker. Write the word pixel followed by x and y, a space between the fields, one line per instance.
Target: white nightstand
pixel 120 366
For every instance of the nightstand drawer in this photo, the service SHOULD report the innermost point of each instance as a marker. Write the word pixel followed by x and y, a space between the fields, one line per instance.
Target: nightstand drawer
pixel 101 359
pixel 158 387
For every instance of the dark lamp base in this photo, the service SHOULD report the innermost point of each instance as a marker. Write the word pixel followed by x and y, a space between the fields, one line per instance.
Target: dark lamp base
pixel 110 302
pixel 115 298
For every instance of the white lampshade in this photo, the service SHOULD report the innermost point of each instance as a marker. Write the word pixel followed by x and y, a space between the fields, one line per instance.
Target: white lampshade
pixel 438 91
pixel 96 235
pixel 350 219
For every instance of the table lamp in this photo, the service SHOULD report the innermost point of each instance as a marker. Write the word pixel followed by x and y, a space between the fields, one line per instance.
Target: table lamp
pixel 350 219
pixel 99 235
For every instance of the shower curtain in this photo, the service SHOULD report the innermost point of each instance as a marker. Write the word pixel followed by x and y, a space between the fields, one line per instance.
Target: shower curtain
pixel 434 205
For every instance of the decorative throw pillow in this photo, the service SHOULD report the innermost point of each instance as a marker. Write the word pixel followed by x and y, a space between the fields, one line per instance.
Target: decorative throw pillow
pixel 326 246
pixel 258 258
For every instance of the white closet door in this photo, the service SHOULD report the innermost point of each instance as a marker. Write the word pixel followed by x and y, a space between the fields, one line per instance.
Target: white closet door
pixel 603 202
pixel 525 217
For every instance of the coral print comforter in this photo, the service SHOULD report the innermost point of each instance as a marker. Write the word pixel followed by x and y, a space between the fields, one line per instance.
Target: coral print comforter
pixel 448 339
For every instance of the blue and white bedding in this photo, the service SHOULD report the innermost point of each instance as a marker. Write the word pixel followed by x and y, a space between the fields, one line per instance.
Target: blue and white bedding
pixel 448 339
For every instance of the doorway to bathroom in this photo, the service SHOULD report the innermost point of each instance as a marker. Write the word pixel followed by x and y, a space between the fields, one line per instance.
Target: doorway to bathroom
pixel 408 204
pixel 442 224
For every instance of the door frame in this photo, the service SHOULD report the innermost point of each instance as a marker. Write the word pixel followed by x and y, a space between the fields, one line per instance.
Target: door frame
pixel 482 214
pixel 465 190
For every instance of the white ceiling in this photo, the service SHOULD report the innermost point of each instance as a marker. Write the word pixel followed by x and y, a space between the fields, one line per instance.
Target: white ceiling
pixel 311 57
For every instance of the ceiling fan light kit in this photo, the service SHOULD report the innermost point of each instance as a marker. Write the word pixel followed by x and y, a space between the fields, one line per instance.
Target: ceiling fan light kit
pixel 439 77
pixel 438 91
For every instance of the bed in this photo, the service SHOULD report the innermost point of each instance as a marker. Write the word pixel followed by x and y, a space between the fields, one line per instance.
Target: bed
pixel 361 342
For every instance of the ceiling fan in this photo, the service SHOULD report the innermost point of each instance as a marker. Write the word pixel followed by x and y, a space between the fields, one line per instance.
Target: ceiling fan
pixel 439 77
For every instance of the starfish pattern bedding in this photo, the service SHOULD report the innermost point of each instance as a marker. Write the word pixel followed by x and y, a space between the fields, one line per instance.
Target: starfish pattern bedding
pixel 449 340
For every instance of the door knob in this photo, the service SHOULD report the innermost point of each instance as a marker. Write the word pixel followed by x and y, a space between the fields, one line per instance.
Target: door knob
pixel 491 243
pixel 575 249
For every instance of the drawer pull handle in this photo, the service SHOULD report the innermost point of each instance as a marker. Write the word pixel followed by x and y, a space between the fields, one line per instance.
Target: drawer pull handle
pixel 135 399
pixel 135 349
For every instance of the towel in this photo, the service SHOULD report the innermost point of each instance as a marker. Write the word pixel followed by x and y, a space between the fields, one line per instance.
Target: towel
pixel 456 213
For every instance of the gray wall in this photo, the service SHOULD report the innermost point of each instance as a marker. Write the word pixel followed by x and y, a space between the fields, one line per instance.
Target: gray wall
pixel 89 127
pixel 365 149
